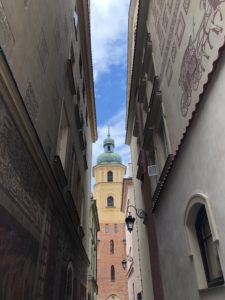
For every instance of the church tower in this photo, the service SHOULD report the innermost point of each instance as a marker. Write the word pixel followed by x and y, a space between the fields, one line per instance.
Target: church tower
pixel 108 173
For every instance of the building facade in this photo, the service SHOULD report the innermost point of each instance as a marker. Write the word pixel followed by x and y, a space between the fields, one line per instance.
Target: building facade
pixel 108 173
pixel 176 70
pixel 47 122
pixel 93 242
pixel 133 246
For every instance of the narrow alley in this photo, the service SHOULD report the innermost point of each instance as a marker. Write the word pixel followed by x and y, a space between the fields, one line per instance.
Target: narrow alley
pixel 112 150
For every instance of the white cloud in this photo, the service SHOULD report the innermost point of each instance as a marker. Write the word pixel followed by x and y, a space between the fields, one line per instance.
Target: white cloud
pixel 117 132
pixel 109 34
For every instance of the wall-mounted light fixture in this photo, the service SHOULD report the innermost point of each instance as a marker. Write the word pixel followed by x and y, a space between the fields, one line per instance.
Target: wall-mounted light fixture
pixel 130 220
pixel 124 261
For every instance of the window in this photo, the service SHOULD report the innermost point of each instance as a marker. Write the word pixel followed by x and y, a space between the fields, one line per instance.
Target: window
pixel 63 137
pixel 152 162
pixel 112 273
pixel 110 176
pixel 111 247
pixel 80 65
pixel 115 228
pixel 156 138
pixel 83 92
pixel 110 201
pixel 78 96
pixel 69 282
pixel 73 167
pixel 75 22
pixel 86 116
pixel 106 228
pixel 161 144
pixel 208 249
pixel 72 56
pixel 70 71
pixel 203 238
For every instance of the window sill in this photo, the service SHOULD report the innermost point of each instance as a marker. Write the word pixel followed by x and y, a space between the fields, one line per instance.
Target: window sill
pixel 207 289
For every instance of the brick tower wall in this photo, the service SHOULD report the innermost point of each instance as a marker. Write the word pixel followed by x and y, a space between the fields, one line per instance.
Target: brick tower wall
pixel 106 287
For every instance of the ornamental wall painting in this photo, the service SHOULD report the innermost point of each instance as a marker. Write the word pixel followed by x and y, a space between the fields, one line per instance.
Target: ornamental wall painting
pixel 202 44
pixel 186 37
pixel 180 29
pixel 18 252
pixel 194 31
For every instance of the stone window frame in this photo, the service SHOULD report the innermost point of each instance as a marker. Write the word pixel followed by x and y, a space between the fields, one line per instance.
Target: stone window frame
pixel 192 209
pixel 110 201
pixel 109 176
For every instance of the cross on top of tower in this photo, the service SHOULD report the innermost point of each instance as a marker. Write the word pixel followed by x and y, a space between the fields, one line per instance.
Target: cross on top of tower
pixel 108 135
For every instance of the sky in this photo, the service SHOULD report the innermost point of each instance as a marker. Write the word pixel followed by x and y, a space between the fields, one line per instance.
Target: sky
pixel 109 21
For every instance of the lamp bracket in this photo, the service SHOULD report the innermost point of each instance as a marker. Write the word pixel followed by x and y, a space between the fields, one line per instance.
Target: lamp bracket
pixel 139 212
pixel 130 258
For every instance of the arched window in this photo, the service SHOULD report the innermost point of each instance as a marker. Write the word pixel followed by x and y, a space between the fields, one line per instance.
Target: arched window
pixel 110 201
pixel 210 256
pixel 202 237
pixel 110 176
pixel 111 247
pixel 112 273
pixel 69 282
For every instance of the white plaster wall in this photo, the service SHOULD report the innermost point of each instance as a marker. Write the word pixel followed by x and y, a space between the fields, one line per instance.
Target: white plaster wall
pixel 145 269
pixel 199 167
pixel 133 242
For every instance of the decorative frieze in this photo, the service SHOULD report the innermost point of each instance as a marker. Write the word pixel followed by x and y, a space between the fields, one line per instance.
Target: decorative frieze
pixel 19 177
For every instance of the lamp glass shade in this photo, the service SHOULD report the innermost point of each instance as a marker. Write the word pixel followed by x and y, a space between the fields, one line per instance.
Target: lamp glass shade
pixel 130 223
pixel 124 263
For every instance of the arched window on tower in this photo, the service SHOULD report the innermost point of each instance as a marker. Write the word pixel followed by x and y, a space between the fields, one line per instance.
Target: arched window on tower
pixel 110 176
pixel 112 273
pixel 111 247
pixel 110 201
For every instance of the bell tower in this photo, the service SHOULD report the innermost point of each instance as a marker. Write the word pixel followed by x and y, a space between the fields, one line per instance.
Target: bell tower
pixel 108 173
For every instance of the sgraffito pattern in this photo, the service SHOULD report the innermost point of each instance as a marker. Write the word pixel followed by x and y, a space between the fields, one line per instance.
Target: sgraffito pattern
pixel 198 51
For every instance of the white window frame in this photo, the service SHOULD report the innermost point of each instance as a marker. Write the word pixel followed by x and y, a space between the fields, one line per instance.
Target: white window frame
pixel 192 209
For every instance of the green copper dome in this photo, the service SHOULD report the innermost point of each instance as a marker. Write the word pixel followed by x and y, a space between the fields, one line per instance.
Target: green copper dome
pixel 109 140
pixel 109 156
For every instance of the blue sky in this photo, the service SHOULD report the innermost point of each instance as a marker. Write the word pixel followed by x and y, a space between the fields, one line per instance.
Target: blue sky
pixel 109 20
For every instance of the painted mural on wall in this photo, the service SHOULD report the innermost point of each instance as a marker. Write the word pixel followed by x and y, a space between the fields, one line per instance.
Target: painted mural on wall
pixel 202 23
pixel 198 50
pixel 186 39
pixel 19 177
pixel 36 244
pixel 18 252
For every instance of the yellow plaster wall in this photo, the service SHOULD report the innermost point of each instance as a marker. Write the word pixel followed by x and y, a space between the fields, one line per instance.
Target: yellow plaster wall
pixel 104 189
